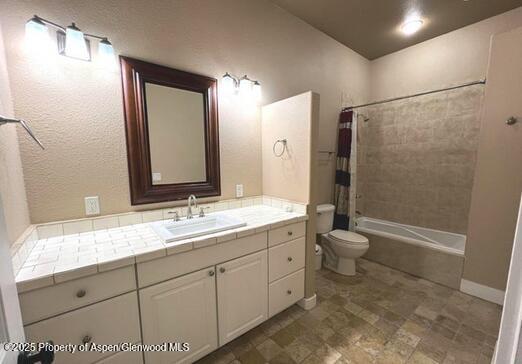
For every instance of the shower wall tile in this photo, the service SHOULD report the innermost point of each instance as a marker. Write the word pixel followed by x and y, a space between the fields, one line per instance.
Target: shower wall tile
pixel 416 159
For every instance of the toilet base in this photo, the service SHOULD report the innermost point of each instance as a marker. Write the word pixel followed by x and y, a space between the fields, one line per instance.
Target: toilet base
pixel 345 266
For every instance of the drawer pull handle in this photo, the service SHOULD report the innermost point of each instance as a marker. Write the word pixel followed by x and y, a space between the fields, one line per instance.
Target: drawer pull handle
pixel 289 292
pixel 86 339
pixel 222 270
pixel 211 273
pixel 290 259
pixel 81 293
pixel 290 233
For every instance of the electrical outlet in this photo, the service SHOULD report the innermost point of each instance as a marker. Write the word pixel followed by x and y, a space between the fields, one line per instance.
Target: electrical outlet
pixel 239 190
pixel 92 205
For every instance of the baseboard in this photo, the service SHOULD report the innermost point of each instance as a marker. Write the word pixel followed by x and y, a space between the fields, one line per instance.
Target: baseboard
pixel 308 303
pixel 486 293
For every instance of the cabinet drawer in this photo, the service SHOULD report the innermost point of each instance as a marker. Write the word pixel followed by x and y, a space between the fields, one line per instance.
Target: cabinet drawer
pixel 50 301
pixel 109 322
pixel 176 265
pixel 286 258
pixel 285 292
pixel 286 233
pixel 127 357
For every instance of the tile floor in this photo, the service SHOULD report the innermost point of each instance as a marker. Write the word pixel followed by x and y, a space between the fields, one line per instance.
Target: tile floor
pixel 379 316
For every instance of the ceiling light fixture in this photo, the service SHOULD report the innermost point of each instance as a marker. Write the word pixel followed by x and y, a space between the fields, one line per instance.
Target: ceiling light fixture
pixel 412 25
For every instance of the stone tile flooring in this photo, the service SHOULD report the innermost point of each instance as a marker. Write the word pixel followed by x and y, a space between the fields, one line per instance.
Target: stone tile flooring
pixel 380 316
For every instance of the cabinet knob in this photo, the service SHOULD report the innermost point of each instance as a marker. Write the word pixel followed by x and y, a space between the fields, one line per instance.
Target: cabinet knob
pixel 222 270
pixel 290 233
pixel 289 291
pixel 211 273
pixel 86 339
pixel 81 293
pixel 290 259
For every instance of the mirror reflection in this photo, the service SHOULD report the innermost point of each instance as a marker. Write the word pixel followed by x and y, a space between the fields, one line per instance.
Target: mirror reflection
pixel 176 128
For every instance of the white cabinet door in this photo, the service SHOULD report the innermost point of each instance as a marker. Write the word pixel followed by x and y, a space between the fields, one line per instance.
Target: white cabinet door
pixel 180 310
pixel 242 286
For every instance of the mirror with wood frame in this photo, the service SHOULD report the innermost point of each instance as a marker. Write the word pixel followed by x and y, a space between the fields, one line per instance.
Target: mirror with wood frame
pixel 171 123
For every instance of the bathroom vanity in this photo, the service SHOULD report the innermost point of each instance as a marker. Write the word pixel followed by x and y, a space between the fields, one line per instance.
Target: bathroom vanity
pixel 205 290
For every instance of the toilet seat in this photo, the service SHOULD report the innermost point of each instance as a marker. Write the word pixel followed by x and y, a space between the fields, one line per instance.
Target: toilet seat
pixel 348 238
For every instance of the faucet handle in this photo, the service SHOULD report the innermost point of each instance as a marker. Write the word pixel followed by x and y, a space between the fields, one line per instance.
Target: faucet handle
pixel 176 215
pixel 201 212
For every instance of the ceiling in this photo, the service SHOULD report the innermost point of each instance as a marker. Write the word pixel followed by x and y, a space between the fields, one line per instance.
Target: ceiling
pixel 371 27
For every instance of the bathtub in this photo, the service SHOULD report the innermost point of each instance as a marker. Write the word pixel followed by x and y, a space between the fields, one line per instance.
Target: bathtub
pixel 435 255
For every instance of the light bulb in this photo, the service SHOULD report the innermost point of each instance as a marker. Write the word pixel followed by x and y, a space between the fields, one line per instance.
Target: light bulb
pixel 411 26
pixel 228 84
pixel 245 87
pixel 37 36
pixel 75 45
pixel 106 54
pixel 256 91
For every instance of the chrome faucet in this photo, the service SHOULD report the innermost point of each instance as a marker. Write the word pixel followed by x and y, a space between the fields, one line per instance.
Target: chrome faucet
pixel 189 209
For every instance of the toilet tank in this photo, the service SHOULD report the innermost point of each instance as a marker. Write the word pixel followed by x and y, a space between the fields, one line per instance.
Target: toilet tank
pixel 325 217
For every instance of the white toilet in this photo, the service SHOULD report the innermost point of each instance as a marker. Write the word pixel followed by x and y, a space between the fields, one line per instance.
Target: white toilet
pixel 340 247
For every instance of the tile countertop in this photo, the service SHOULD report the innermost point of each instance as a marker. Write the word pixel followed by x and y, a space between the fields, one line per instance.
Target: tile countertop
pixel 63 258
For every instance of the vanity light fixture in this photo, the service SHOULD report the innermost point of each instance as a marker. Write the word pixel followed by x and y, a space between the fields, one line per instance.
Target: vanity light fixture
pixel 256 91
pixel 106 53
pixel 72 42
pixel 244 87
pixel 75 44
pixel 36 34
pixel 228 84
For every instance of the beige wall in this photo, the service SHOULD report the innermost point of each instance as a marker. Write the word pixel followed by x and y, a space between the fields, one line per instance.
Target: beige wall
pixel 176 134
pixel 76 108
pixel 498 177
pixel 416 159
pixel 451 59
pixel 12 189
pixel 288 176
pixel 291 175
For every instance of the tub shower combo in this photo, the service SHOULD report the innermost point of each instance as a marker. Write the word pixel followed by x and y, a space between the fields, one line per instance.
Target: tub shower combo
pixel 414 168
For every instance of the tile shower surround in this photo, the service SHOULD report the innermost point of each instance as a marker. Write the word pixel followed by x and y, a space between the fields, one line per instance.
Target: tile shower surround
pixel 416 159
pixel 23 246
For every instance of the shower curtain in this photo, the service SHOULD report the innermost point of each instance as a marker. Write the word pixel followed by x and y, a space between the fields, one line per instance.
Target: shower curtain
pixel 347 125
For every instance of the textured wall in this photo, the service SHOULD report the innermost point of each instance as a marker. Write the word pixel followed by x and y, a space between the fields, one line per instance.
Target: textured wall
pixel 288 176
pixel 498 178
pixel 76 107
pixel 417 159
pixel 12 188
pixel 452 58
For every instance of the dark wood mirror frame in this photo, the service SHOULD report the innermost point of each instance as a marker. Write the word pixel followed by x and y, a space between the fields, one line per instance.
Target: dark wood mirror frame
pixel 135 74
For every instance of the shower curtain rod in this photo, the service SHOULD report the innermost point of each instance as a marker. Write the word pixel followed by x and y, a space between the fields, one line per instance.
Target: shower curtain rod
pixel 481 82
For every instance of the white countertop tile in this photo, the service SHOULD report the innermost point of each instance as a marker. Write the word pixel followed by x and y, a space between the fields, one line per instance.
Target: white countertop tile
pixel 59 258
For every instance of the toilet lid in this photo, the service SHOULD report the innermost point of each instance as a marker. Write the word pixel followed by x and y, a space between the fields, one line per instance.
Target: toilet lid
pixel 348 237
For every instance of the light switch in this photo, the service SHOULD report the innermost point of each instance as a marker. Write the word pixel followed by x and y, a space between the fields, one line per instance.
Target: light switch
pixel 92 205
pixel 239 190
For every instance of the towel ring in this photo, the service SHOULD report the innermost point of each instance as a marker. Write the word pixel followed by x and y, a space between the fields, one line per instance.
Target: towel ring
pixel 282 141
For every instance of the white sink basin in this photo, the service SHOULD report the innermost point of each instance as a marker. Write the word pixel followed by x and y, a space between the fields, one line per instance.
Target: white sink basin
pixel 171 231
